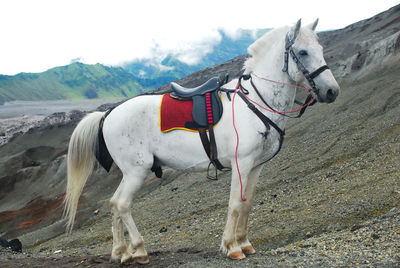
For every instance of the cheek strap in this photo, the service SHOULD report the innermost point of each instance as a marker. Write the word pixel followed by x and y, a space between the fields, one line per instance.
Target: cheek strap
pixel 317 72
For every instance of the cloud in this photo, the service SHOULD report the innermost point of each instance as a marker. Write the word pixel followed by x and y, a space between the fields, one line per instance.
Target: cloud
pixel 192 52
pixel 187 50
pixel 79 59
pixel 40 34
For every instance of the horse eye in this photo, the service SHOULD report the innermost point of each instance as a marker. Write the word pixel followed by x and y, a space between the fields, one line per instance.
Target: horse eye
pixel 303 52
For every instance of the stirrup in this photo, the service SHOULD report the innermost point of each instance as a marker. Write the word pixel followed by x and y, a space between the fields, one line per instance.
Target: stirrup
pixel 216 171
pixel 208 172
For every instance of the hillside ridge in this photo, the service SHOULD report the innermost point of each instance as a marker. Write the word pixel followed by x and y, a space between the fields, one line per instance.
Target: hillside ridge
pixel 74 81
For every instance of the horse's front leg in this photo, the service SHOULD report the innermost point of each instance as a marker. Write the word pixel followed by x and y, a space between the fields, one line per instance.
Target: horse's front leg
pixel 242 228
pixel 230 245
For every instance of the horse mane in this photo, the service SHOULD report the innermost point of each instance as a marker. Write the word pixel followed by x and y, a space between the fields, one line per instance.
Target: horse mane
pixel 262 45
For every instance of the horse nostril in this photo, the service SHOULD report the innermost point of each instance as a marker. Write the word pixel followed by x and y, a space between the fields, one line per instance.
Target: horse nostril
pixel 330 95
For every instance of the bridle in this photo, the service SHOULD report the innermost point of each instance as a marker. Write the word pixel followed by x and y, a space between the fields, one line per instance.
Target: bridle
pixel 309 76
pixel 310 100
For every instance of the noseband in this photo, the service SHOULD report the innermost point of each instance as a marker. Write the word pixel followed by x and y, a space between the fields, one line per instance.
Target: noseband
pixel 309 76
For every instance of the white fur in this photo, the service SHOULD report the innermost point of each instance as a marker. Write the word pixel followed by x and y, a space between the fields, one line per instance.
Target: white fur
pixel 81 159
pixel 133 138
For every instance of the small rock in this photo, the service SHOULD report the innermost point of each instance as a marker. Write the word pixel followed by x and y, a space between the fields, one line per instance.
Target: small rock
pixel 163 230
pixel 356 227
pixel 15 245
pixel 43 249
pixel 375 236
pixel 96 212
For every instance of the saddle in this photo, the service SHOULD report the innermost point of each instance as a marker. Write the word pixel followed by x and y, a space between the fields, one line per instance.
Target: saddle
pixel 207 111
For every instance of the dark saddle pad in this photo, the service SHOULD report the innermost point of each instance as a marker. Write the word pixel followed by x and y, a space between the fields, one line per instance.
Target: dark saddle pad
pixel 207 109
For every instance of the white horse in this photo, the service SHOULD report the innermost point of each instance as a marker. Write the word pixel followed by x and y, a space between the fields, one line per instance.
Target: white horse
pixel 134 140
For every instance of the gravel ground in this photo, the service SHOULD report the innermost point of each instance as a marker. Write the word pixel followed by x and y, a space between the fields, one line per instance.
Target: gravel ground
pixel 370 243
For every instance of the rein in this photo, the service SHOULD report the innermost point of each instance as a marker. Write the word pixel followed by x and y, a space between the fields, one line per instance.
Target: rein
pixel 310 100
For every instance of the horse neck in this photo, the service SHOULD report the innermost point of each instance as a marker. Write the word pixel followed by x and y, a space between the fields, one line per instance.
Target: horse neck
pixel 278 96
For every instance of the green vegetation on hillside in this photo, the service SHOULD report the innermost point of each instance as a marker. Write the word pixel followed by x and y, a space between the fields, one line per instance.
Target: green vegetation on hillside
pixel 74 81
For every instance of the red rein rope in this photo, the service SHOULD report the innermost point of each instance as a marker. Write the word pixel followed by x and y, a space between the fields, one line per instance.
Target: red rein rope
pixel 237 144
pixel 285 84
pixel 269 110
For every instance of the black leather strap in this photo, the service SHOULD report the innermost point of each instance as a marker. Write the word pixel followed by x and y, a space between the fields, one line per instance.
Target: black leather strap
pixel 317 72
pixel 102 153
pixel 267 122
pixel 210 148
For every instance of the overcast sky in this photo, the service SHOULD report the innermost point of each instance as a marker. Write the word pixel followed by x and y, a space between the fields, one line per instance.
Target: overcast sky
pixel 37 35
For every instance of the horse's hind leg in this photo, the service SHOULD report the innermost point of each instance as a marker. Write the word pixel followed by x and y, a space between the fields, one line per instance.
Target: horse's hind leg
pixel 119 245
pixel 121 205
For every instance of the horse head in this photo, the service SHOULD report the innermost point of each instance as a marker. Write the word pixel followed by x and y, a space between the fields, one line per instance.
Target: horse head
pixel 305 64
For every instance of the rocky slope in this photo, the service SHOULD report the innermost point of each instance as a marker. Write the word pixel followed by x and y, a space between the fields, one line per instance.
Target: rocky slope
pixel 331 197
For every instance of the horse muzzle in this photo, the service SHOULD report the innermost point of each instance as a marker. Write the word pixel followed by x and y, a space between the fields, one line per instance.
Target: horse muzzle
pixel 327 95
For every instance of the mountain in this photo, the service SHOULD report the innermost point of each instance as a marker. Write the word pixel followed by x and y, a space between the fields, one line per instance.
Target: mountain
pixel 152 75
pixel 78 80
pixel 74 81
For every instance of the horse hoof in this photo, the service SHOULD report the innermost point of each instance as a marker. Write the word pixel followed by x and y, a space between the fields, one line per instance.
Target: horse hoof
pixel 114 259
pixel 248 250
pixel 126 257
pixel 142 260
pixel 237 255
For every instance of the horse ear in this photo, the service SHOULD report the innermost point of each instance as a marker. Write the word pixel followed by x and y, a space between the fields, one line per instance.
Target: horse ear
pixel 296 30
pixel 314 25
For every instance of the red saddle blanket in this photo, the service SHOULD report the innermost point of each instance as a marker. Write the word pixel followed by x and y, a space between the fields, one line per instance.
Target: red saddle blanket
pixel 174 114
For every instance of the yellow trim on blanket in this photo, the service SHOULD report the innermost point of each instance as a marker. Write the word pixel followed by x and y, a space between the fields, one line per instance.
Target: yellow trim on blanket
pixel 177 128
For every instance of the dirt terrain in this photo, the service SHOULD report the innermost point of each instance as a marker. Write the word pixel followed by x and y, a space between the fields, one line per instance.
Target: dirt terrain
pixel 330 198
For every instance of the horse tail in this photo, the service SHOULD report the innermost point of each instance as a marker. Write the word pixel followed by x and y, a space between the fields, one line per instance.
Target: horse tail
pixel 80 162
